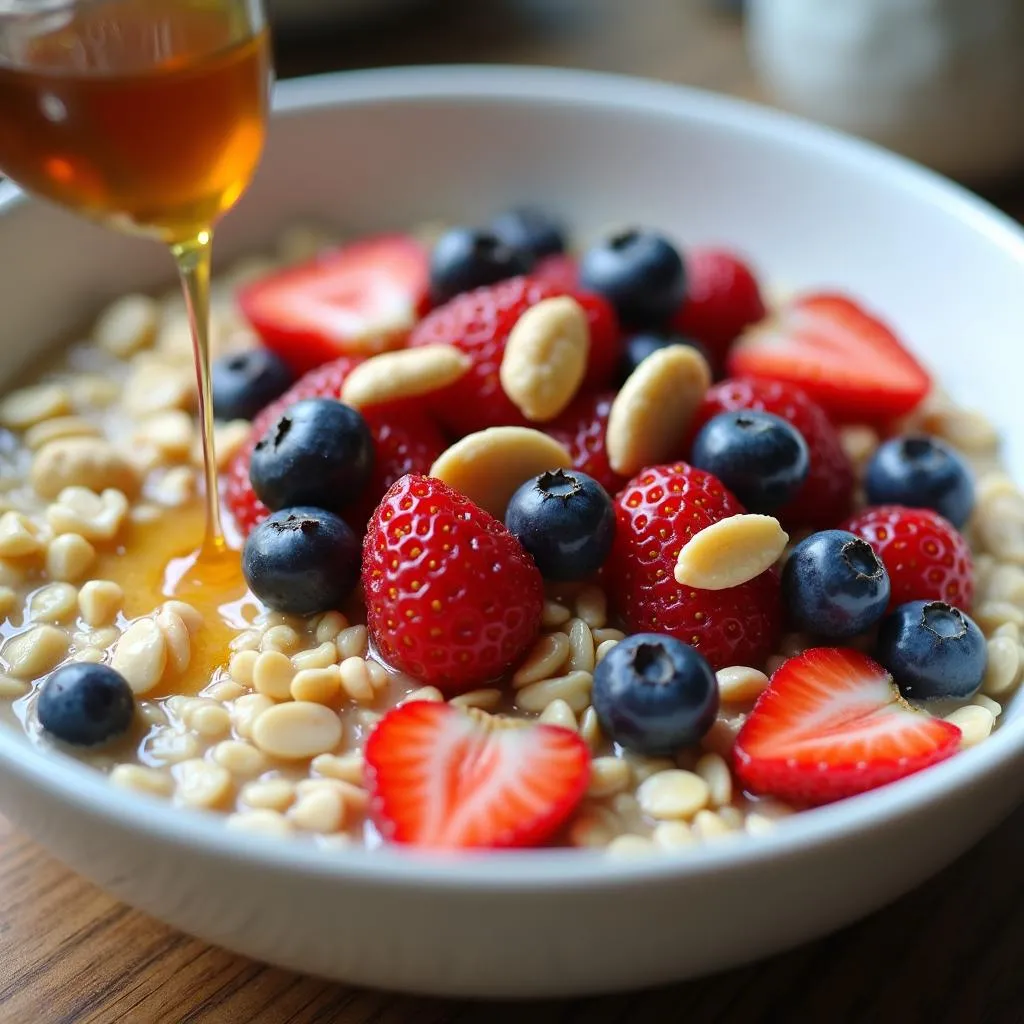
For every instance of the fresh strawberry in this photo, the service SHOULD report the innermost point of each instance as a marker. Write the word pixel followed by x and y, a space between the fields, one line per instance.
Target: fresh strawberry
pixel 656 513
pixel 826 494
pixel 925 556
pixel 479 323
pixel 832 724
pixel 722 299
pixel 581 428
pixel 560 270
pixel 451 596
pixel 440 779
pixel 405 440
pixel 356 300
pixel 846 360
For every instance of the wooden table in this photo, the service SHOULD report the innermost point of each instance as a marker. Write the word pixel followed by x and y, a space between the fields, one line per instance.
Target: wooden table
pixel 951 951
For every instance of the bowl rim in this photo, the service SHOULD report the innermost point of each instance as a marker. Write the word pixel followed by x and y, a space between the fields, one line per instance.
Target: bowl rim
pixel 64 778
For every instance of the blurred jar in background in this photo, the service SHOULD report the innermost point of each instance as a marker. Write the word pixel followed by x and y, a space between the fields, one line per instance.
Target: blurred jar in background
pixel 941 81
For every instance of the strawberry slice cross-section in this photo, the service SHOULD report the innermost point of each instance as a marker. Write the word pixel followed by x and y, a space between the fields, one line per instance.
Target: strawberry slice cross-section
pixel 844 358
pixel 831 724
pixel 441 779
pixel 356 300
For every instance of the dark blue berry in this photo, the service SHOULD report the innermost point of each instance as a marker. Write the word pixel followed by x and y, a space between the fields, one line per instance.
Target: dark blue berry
pixel 933 651
pixel 245 382
pixel 302 561
pixel 921 472
pixel 85 704
pixel 529 230
pixel 834 585
pixel 318 452
pixel 645 343
pixel 566 521
pixel 761 458
pixel 468 258
pixel 654 694
pixel 639 273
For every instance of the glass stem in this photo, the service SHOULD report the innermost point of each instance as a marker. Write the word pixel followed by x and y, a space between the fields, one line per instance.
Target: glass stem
pixel 193 259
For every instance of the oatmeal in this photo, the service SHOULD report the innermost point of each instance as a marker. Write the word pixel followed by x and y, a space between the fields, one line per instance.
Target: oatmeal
pixel 516 571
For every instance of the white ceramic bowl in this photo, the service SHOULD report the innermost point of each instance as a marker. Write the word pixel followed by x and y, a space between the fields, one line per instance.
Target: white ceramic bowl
pixel 387 148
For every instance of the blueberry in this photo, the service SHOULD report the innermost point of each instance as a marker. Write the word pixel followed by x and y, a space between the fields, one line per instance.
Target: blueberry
pixel 529 230
pixel 932 650
pixel 245 382
pixel 654 694
pixel 468 258
pixel 639 273
pixel 834 585
pixel 318 452
pixel 85 704
pixel 921 472
pixel 761 458
pixel 566 521
pixel 645 343
pixel 302 561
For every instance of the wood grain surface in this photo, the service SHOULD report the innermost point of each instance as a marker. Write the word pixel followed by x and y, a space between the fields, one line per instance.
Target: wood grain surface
pixel 951 951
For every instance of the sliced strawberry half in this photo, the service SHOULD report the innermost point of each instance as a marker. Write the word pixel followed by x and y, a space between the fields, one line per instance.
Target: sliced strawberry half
pixel 832 724
pixel 441 779
pixel 845 359
pixel 356 300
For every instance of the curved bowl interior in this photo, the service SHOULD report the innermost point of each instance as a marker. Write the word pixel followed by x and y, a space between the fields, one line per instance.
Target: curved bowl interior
pixel 385 149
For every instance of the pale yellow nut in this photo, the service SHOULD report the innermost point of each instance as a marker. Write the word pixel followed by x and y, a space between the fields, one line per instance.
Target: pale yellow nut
pixel 239 758
pixel 631 846
pixel 672 835
pixel 201 783
pixel 89 462
pixel 272 675
pixel 545 660
pixel 297 730
pixel 69 557
pixel 140 779
pixel 555 614
pixel 94 516
pixel 319 685
pixel 590 729
pixel 57 428
pixel 974 722
pixel 558 713
pixel 321 656
pixel 322 810
pixel 730 552
pixel 859 442
pixel 990 615
pixel 172 433
pixel 223 690
pixel 353 794
pixel 708 825
pixel 545 357
pixel 988 704
pixel 190 616
pixel 488 699
pixel 645 767
pixel 176 635
pixel 329 625
pixel 594 827
pixel 100 601
pixel 592 608
pixel 211 721
pixel 241 667
pixel 281 638
pixel 603 649
pixel 582 657
pixel 354 676
pixel 673 793
pixel 609 775
pixel 93 390
pixel 27 406
pixel 651 413
pixel 738 683
pixel 8 599
pixel 20 536
pixel 155 385
pixel 11 688
pixel 34 652
pixel 270 824
pixel 14 572
pixel 141 655
pixel 228 440
pixel 488 466
pixel 268 794
pixel 246 709
pixel 427 693
pixel 1003 668
pixel 56 602
pixel 758 825
pixel 352 642
pixel 349 767
pixel 93 655
pixel 407 373
pixel 714 770
pixel 127 324
pixel 573 688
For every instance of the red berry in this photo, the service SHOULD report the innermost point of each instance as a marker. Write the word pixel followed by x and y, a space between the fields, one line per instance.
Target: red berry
pixel 656 513
pixel 559 270
pixel 478 323
pixel 831 724
pixel 355 300
pixel 722 299
pixel 846 360
pixel 581 429
pixel 440 779
pixel 451 597
pixel 405 440
pixel 826 494
pixel 925 556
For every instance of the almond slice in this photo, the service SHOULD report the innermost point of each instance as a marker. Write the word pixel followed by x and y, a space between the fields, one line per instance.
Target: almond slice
pixel 730 552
